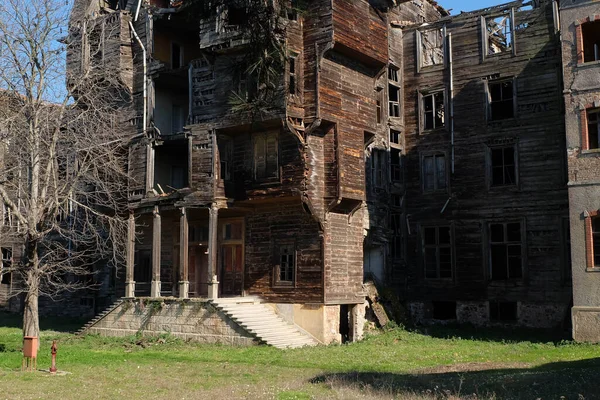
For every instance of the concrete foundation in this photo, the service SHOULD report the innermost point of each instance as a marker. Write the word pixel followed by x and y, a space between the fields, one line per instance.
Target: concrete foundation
pixel 191 320
pixel 586 324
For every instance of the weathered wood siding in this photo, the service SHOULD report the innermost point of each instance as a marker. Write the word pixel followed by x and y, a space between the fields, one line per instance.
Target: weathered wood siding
pixel 538 201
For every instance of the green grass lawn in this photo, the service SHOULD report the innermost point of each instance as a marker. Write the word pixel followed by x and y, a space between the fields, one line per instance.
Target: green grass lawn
pixel 394 364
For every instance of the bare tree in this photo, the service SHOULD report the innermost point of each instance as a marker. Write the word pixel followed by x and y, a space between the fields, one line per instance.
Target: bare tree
pixel 63 156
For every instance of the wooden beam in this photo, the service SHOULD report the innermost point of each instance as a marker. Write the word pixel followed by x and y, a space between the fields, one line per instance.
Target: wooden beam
pixel 156 236
pixel 184 284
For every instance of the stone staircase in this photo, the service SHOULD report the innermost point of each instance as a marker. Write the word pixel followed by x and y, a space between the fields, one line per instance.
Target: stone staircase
pixel 261 321
pixel 98 317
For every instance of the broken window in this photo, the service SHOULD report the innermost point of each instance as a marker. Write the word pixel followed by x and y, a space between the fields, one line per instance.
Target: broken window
pixel 501 100
pixel 395 136
pixel 171 166
pixel 431 47
pixel 292 62
pixel 593 129
pixel 395 165
pixel 437 252
pixel 266 158
pixel 503 166
pixel 499 33
pixel 5 265
pixel 503 311
pixel 396 227
pixel 393 74
pixel 176 55
pixel 591 41
pixel 506 251
pixel 285 271
pixel 394 100
pixel 434 172
pixel 378 168
pixel 433 109
pixel 393 92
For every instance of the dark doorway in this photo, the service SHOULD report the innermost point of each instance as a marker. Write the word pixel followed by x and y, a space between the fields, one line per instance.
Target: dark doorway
pixel 344 323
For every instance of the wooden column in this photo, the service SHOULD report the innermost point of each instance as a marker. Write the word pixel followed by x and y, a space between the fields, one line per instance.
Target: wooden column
pixel 130 261
pixel 213 283
pixel 184 283
pixel 155 285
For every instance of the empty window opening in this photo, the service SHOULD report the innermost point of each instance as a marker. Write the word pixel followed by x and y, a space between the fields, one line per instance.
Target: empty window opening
pixel 378 168
pixel 432 47
pixel 591 41
pixel 596 240
pixel 5 265
pixel 396 200
pixel 378 112
pixel 176 55
pixel 395 136
pixel 344 327
pixel 394 100
pixel 433 110
pixel 266 158
pixel 503 166
pixel 236 15
pixel 506 251
pixel 444 310
pixel 437 252
pixel 293 75
pixel 177 118
pixel 434 172
pixel 171 166
pixel 499 34
pixel 396 165
pixel 503 311
pixel 393 74
pixel 501 102
pixel 593 128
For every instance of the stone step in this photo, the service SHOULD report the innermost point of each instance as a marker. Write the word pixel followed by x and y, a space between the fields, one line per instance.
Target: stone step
pixel 263 322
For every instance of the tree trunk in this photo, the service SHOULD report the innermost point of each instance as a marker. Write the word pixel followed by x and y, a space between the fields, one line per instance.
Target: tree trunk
pixel 31 316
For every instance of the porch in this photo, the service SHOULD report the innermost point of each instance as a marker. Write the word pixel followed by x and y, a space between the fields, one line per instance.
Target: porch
pixel 185 252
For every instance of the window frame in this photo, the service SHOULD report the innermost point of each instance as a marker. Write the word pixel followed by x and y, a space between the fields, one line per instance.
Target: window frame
pixel 395 83
pixel 419 47
pixel 490 165
pixel 485 34
pixel 277 252
pixel 580 43
pixel 435 180
pixel 585 128
pixel 488 96
pixel 437 246
pixel 293 77
pixel 590 245
pixel 522 254
pixel 265 136
pixel 3 261
pixel 423 94
pixel 378 169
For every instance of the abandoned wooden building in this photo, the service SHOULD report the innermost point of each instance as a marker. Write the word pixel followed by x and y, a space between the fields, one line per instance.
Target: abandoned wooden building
pixel 399 143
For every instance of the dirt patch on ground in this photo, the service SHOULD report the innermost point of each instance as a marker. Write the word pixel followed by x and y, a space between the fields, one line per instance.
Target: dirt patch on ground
pixel 474 366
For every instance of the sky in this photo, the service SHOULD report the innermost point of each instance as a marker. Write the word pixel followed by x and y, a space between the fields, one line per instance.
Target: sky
pixel 468 5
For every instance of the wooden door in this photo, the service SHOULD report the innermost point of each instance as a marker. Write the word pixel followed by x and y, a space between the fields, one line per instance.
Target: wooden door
pixel 232 269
